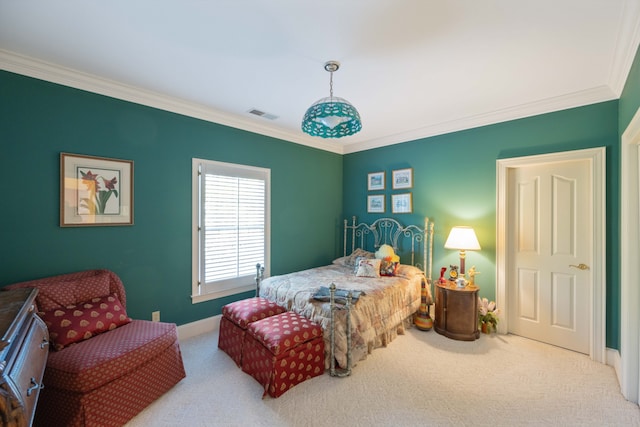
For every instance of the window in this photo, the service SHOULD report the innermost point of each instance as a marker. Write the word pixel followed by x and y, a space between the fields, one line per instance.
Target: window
pixel 230 227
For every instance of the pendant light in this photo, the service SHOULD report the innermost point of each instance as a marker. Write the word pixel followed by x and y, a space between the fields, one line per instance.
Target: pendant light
pixel 331 117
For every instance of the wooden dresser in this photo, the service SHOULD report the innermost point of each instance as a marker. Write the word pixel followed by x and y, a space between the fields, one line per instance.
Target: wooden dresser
pixel 24 346
pixel 456 313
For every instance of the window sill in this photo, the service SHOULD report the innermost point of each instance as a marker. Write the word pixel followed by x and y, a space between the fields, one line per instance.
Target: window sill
pixel 221 294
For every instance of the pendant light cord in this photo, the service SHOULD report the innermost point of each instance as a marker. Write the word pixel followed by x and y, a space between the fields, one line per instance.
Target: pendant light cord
pixel 331 85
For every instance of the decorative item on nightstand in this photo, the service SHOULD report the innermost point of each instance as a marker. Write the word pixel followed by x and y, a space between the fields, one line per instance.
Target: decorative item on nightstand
pixel 463 239
pixel 442 280
pixel 453 273
pixel 472 276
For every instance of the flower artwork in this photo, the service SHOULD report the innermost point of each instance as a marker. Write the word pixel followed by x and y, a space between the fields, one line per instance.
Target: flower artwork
pixel 95 191
pixel 487 315
pixel 100 185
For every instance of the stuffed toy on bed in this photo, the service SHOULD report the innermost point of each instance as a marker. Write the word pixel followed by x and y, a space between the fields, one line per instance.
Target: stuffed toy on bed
pixel 390 260
pixel 386 253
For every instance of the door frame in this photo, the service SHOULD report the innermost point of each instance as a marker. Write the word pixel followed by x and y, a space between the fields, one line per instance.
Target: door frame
pixel 629 266
pixel 596 156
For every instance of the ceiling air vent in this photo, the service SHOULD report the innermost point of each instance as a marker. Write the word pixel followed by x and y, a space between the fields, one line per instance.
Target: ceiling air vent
pixel 262 114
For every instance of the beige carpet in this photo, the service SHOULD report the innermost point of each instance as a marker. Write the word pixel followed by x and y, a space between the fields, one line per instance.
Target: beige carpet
pixel 420 379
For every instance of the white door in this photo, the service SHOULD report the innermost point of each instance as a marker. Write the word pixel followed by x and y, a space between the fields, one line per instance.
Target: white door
pixel 550 238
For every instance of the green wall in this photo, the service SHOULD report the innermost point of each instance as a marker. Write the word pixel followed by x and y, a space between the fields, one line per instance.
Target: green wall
pixel 455 182
pixel 153 257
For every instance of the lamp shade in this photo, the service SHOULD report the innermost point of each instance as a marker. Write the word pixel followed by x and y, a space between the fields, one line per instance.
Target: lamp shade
pixel 462 238
pixel 331 117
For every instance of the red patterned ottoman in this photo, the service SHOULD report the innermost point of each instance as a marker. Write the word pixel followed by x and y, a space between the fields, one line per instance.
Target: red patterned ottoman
pixel 235 319
pixel 282 351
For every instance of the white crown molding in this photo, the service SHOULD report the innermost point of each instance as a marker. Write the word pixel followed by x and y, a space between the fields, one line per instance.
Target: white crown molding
pixel 572 100
pixel 15 63
pixel 628 41
pixel 626 46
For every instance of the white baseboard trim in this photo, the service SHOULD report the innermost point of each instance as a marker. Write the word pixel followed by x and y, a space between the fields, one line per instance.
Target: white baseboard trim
pixel 198 327
pixel 614 360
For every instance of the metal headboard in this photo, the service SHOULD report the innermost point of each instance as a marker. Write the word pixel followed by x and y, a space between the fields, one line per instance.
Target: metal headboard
pixel 412 239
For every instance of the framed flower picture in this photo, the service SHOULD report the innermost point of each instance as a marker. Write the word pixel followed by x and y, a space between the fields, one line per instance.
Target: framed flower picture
pixel 375 181
pixel 402 178
pixel 375 204
pixel 95 191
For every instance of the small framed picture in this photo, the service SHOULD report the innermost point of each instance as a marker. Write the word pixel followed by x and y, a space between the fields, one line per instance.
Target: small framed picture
pixel 95 191
pixel 401 203
pixel 375 181
pixel 375 204
pixel 402 178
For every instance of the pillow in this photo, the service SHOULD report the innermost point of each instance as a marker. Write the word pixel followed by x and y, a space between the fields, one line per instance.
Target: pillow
pixel 340 261
pixel 350 260
pixel 369 268
pixel 78 322
pixel 53 295
pixel 61 294
pixel 388 267
pixel 92 287
pixel 357 263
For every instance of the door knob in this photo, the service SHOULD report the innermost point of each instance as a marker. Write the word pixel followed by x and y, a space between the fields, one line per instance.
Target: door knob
pixel 580 266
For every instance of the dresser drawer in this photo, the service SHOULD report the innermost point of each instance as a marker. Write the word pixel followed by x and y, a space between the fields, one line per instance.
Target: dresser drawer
pixel 27 363
pixel 23 354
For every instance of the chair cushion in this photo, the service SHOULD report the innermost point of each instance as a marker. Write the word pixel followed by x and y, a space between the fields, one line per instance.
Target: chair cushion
pixel 250 310
pixel 284 331
pixel 89 364
pixel 78 322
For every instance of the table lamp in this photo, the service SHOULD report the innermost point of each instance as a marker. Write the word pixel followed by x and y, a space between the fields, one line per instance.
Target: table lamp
pixel 463 239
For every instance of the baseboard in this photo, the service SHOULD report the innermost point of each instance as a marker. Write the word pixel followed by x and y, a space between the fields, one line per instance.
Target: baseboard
pixel 198 327
pixel 613 360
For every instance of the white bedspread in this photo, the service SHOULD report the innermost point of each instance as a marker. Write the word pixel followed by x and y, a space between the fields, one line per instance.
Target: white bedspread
pixel 380 314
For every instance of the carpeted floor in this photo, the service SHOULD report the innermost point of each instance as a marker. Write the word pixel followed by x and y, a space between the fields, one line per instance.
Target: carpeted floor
pixel 420 379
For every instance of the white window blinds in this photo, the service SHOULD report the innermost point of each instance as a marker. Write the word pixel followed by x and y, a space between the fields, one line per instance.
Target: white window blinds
pixel 232 226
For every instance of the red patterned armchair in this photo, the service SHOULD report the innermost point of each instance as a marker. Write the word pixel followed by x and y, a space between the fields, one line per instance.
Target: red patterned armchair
pixel 103 367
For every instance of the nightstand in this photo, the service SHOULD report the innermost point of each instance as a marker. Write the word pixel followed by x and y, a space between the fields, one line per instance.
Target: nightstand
pixel 456 314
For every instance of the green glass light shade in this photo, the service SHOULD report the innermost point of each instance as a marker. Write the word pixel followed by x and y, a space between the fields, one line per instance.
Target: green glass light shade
pixel 331 117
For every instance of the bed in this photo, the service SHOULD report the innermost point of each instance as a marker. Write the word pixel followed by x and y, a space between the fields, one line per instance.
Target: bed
pixel 380 307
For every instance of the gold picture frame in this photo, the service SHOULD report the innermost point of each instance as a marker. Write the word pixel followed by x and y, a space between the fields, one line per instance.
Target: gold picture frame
pixel 401 203
pixel 375 203
pixel 376 181
pixel 95 191
pixel 402 178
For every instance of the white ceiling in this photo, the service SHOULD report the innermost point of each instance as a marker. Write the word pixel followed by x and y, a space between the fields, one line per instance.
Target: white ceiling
pixel 412 68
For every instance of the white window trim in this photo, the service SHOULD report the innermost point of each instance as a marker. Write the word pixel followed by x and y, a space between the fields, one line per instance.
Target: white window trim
pixel 196 295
